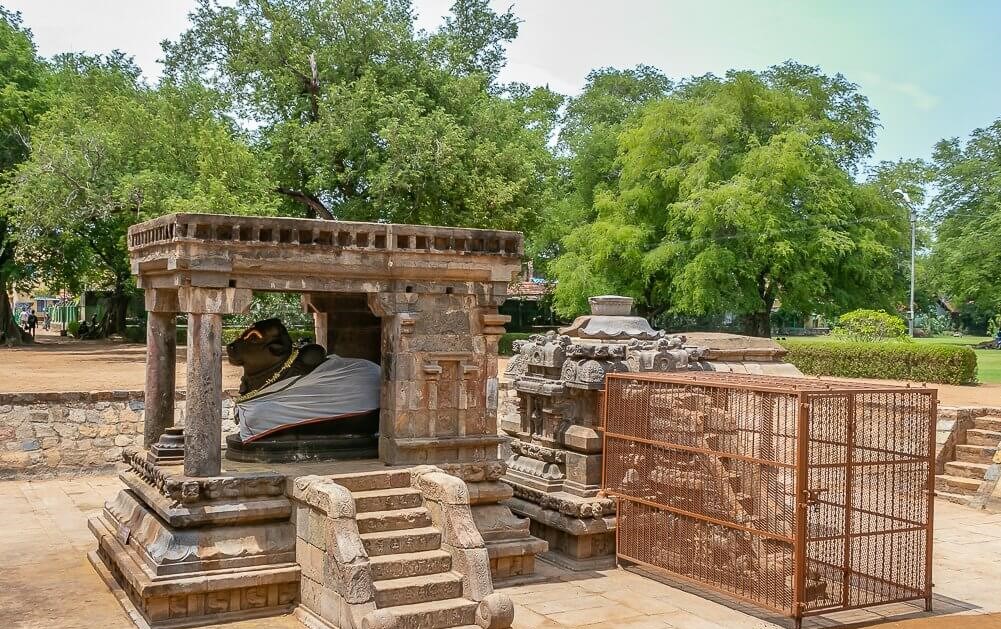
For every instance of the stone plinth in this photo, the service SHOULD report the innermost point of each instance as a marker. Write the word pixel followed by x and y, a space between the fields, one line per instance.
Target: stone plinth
pixel 555 463
pixel 195 551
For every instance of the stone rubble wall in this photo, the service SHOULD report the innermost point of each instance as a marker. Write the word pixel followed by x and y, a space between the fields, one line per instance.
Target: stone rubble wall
pixel 43 434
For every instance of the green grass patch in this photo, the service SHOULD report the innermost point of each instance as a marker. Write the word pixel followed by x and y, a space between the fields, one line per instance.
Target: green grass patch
pixel 989 366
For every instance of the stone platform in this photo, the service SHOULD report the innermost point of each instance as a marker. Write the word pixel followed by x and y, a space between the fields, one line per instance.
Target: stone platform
pixel 47 583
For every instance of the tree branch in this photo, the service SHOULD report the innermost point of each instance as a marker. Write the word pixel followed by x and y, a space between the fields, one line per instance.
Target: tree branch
pixel 308 200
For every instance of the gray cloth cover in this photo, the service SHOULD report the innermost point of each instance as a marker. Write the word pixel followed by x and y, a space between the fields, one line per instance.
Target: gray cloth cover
pixel 337 387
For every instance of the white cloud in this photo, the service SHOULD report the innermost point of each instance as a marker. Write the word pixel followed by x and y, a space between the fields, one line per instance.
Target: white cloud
pixel 919 97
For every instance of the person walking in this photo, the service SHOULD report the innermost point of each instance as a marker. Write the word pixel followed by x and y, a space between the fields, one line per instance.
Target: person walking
pixel 46 320
pixel 23 320
pixel 32 323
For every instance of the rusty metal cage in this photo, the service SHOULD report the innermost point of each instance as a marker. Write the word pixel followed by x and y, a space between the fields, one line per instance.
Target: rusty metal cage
pixel 801 496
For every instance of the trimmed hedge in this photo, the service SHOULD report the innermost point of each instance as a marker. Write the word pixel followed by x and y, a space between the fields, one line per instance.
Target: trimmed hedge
pixel 506 345
pixel 923 362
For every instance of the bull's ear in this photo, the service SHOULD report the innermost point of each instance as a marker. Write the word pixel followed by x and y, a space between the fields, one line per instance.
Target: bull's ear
pixel 278 348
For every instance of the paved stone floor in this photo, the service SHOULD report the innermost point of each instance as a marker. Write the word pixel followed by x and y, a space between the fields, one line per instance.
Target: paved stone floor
pixel 46 581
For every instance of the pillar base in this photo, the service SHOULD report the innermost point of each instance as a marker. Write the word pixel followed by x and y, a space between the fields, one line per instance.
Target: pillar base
pixel 187 552
pixel 575 543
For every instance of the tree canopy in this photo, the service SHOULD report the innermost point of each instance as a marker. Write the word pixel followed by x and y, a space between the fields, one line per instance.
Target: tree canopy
pixel 362 117
pixel 22 98
pixel 112 151
pixel 967 207
pixel 736 192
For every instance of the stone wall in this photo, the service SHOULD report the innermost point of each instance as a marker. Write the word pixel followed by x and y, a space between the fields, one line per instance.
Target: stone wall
pixel 74 432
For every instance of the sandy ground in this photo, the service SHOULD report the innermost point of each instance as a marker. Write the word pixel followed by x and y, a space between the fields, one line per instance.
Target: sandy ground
pixel 47 583
pixel 57 363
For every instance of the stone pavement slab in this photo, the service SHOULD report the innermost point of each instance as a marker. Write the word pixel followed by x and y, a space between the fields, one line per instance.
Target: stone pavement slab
pixel 46 581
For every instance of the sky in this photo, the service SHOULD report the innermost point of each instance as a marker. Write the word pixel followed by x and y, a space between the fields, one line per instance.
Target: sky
pixel 929 67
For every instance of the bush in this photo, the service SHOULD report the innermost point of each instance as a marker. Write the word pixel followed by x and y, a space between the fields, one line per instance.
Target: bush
pixel 870 325
pixel 923 362
pixel 506 345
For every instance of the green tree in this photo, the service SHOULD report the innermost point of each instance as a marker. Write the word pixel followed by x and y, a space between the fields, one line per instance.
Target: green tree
pixel 110 152
pixel 967 209
pixel 22 99
pixel 588 144
pixel 737 192
pixel 364 118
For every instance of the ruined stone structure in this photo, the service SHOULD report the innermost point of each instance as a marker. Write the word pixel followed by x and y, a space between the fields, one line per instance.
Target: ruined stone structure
pixel 555 465
pixel 434 292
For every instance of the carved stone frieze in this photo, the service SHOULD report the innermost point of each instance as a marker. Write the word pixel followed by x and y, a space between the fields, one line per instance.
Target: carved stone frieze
pixel 542 453
pixel 566 504
pixel 186 490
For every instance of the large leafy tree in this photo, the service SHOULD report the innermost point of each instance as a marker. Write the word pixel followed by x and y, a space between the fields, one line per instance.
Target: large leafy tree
pixel 738 192
pixel 362 117
pixel 22 99
pixel 112 151
pixel 967 208
pixel 588 144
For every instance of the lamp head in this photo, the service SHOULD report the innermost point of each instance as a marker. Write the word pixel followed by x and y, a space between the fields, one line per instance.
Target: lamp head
pixel 903 195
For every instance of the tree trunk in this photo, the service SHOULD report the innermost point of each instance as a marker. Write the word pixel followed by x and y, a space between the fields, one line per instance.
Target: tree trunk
pixel 117 311
pixel 10 332
pixel 758 324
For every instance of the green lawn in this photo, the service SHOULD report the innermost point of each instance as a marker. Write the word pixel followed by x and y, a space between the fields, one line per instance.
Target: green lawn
pixel 988 360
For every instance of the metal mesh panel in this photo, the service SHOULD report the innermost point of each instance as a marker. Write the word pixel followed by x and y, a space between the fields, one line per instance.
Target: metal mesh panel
pixel 798 495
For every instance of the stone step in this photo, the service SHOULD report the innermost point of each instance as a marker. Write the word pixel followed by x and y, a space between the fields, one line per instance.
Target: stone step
pixel 966 469
pixel 961 499
pixel 956 484
pixel 411 590
pixel 386 499
pixel 398 520
pixel 975 454
pixel 397 542
pixel 988 422
pixel 979 437
pixel 410 564
pixel 370 481
pixel 453 612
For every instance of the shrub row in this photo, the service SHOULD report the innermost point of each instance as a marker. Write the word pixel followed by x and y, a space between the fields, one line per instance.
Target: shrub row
pixel 923 362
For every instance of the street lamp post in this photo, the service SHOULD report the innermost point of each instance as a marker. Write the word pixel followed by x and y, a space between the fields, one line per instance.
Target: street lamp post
pixel 913 217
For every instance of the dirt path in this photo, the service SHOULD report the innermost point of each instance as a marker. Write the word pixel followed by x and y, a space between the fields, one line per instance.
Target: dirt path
pixel 57 363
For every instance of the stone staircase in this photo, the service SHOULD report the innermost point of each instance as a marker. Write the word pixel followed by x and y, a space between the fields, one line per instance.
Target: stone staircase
pixel 964 476
pixel 416 585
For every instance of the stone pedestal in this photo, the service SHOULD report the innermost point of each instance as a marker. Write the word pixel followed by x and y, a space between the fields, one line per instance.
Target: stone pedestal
pixel 439 403
pixel 195 551
pixel 556 457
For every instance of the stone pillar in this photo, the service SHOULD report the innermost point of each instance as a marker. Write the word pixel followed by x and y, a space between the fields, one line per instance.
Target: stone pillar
pixel 203 416
pixel 320 329
pixel 161 358
pixel 203 422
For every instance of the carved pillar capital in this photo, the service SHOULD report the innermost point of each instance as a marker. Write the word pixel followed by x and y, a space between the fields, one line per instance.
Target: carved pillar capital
pixel 199 300
pixel 161 300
